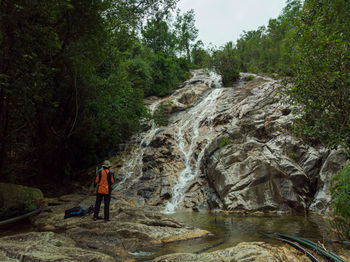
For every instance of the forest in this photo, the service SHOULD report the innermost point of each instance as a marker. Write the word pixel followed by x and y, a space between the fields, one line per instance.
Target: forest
pixel 74 73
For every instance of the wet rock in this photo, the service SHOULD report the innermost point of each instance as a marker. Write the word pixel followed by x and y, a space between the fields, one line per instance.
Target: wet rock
pixel 243 252
pixel 40 246
pixel 129 225
pixel 165 193
pixel 147 175
pixel 241 151
pixel 331 166
pixel 48 228
pixel 213 201
pixel 146 192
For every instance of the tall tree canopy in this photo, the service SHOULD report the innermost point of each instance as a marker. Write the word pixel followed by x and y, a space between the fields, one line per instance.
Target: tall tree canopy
pixel 73 77
pixel 268 49
pixel 186 31
pixel 321 70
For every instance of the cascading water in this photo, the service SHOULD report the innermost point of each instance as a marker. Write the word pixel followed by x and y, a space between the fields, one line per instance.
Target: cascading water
pixel 188 128
pixel 133 164
pixel 188 135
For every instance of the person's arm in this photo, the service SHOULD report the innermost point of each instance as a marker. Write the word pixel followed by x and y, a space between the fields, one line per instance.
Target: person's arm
pixel 96 180
pixel 112 178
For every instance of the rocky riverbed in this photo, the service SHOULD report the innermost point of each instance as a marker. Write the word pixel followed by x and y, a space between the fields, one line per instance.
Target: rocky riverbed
pixel 227 149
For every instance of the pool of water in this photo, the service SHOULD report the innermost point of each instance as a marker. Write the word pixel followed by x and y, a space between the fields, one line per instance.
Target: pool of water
pixel 230 229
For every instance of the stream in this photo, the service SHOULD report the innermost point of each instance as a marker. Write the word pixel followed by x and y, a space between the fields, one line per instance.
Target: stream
pixel 230 229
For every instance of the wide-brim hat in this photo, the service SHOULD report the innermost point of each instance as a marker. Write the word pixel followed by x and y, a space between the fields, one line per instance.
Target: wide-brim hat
pixel 106 164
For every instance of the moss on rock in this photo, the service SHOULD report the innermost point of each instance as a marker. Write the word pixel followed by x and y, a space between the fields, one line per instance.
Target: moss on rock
pixel 17 199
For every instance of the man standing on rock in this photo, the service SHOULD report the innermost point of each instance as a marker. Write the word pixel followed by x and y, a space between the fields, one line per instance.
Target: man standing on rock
pixel 104 181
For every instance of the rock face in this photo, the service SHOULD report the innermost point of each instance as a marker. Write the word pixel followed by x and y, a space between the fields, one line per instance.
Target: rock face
pixel 245 252
pixel 227 148
pixel 322 199
pixel 17 199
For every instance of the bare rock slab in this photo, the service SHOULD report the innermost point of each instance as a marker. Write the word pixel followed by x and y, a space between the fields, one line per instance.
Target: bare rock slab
pixel 243 252
pixel 46 246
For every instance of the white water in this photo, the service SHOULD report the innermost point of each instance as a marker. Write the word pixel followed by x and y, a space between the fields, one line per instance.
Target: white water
pixel 188 127
pixel 133 163
pixel 188 136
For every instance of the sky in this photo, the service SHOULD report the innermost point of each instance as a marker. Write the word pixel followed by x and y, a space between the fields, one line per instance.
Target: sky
pixel 221 21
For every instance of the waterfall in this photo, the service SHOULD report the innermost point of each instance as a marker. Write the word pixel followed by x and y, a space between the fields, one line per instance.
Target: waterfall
pixel 132 165
pixel 188 129
pixel 189 136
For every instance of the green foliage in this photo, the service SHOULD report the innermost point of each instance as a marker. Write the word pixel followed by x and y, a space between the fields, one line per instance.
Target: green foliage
pixel 158 36
pixel 226 63
pixel 73 78
pixel 268 49
pixel 225 141
pixel 160 117
pixel 200 57
pixel 321 72
pixel 164 74
pixel 47 54
pixel 249 78
pixel 340 191
pixel 186 32
pixel 28 203
pixel 292 155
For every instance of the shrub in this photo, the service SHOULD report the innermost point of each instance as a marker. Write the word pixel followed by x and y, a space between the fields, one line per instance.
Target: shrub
pixel 340 191
pixel 226 63
pixel 248 78
pixel 160 116
pixel 225 141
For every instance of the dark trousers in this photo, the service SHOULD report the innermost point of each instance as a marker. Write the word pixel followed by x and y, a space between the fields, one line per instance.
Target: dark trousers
pixel 107 199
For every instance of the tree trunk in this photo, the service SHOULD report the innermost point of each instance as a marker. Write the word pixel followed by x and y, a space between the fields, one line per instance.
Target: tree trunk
pixel 188 52
pixel 7 33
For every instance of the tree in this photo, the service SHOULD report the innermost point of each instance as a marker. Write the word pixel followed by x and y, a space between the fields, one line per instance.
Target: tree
pixel 200 56
pixel 73 75
pixel 269 49
pixel 250 49
pixel 158 36
pixel 321 70
pixel 340 191
pixel 226 63
pixel 186 32
pixel 47 48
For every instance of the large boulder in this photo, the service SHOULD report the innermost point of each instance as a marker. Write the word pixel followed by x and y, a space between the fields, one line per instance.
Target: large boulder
pixel 255 175
pixel 17 199
pixel 322 200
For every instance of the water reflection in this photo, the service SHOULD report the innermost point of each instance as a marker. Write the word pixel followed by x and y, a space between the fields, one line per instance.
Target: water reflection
pixel 229 230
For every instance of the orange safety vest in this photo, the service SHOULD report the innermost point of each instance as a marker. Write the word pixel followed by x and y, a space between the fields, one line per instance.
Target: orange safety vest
pixel 104 180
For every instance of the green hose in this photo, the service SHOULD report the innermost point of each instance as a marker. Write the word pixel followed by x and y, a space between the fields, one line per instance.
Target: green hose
pixel 312 245
pixel 295 245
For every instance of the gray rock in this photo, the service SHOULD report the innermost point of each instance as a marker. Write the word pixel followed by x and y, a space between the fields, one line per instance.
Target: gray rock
pixel 46 246
pixel 129 225
pixel 261 166
pixel 322 199
pixel 243 252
